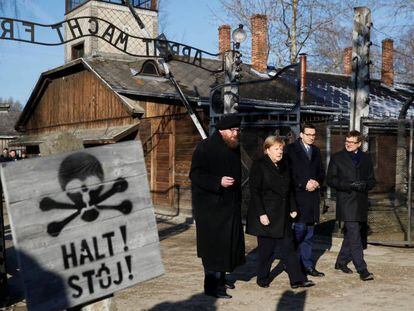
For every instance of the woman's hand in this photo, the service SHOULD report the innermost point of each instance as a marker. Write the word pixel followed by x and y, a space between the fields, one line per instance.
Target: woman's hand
pixel 264 220
pixel 293 214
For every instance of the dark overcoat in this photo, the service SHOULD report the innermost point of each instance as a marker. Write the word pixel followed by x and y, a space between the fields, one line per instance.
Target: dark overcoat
pixel 302 170
pixel 350 205
pixel 217 210
pixel 271 194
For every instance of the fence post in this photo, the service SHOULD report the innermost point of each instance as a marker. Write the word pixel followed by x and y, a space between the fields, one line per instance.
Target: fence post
pixel 3 271
pixel 410 176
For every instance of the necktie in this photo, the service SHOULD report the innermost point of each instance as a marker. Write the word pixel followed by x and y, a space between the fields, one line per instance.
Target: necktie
pixel 308 152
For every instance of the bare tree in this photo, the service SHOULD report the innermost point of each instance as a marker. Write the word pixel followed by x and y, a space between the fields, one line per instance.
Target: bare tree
pixel 292 24
pixel 321 28
pixel 14 105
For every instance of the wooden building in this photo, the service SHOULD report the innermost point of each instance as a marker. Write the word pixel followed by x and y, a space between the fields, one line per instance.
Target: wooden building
pixel 7 121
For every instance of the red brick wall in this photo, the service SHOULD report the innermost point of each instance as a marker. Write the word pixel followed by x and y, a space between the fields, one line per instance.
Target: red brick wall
pixel 259 42
pixel 387 70
pixel 224 38
pixel 348 61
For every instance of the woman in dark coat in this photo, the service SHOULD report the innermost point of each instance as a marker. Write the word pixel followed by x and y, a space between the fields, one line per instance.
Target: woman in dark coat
pixel 271 206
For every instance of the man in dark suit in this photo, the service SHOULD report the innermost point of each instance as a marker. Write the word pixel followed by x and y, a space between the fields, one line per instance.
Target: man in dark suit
pixel 351 174
pixel 216 196
pixel 308 174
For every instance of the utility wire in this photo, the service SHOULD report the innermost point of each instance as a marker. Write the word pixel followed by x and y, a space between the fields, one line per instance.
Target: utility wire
pixel 391 37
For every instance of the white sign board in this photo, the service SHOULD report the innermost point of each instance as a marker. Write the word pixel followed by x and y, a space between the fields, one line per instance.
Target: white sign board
pixel 83 224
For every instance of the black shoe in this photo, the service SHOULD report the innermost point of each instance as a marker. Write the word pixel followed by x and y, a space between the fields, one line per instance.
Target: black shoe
pixel 314 272
pixel 222 295
pixel 307 283
pixel 343 267
pixel 225 283
pixel 229 285
pixel 365 275
pixel 212 288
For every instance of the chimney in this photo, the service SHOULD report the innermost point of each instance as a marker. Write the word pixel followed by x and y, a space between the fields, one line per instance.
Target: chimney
pixel 224 38
pixel 347 61
pixel 302 78
pixel 387 69
pixel 259 42
pixel 154 5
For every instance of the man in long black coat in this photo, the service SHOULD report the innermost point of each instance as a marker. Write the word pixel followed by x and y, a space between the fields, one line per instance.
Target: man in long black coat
pixel 308 175
pixel 216 196
pixel 351 173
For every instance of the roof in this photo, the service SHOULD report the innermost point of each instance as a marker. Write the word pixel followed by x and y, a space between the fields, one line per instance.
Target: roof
pixel 77 65
pixel 334 90
pixel 326 93
pixel 101 135
pixel 7 121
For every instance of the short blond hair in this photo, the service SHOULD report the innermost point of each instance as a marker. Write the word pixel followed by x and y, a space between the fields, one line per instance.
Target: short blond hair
pixel 272 140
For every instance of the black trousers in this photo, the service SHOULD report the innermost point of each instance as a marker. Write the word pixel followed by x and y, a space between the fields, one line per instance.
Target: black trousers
pixel 352 247
pixel 266 247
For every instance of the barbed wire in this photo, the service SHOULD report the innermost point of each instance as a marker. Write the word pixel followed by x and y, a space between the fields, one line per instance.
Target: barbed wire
pixel 395 71
pixel 396 51
pixel 391 37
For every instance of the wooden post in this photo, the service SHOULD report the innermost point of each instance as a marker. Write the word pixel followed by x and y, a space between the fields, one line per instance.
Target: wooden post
pixel 360 67
pixel 3 271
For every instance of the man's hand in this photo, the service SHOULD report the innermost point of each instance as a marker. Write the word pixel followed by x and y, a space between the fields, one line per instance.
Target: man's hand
pixel 359 185
pixel 293 214
pixel 312 185
pixel 264 220
pixel 227 181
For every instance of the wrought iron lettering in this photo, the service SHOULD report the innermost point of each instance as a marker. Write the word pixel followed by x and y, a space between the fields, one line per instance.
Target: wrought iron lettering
pixel 87 26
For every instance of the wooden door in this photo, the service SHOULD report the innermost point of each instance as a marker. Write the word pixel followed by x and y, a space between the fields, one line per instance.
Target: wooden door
pixel 163 170
pixel 162 156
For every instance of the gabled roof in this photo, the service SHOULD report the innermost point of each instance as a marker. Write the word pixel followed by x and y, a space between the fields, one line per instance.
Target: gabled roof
pixel 75 66
pixel 7 120
pixel 325 92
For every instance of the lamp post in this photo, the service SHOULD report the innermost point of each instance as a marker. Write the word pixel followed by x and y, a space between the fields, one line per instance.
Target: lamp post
pixel 232 65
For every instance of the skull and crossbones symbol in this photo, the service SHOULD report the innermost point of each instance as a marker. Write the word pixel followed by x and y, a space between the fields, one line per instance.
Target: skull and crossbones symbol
pixel 81 176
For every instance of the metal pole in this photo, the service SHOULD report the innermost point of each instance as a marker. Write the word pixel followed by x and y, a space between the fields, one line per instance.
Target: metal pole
pixel 410 175
pixel 328 156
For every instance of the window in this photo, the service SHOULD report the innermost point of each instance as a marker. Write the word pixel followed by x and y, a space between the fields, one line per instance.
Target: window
pixel 78 51
pixel 71 4
pixel 150 68
pixel 144 4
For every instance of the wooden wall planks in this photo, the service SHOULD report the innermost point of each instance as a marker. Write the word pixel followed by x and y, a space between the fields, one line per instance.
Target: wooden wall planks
pixel 90 257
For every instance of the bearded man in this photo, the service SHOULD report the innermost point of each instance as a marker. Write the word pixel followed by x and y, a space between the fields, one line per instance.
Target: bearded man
pixel 216 196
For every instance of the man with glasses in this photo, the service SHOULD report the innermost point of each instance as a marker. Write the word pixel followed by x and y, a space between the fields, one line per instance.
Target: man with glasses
pixel 308 173
pixel 216 196
pixel 351 174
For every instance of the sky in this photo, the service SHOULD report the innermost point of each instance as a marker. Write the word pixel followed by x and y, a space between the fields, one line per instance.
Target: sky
pixel 192 22
pixel 187 21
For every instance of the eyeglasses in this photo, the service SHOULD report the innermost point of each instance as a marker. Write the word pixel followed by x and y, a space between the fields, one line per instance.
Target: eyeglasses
pixel 351 142
pixel 309 135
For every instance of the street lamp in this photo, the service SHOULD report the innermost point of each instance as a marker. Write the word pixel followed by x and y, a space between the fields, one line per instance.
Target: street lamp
pixel 233 68
pixel 238 36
